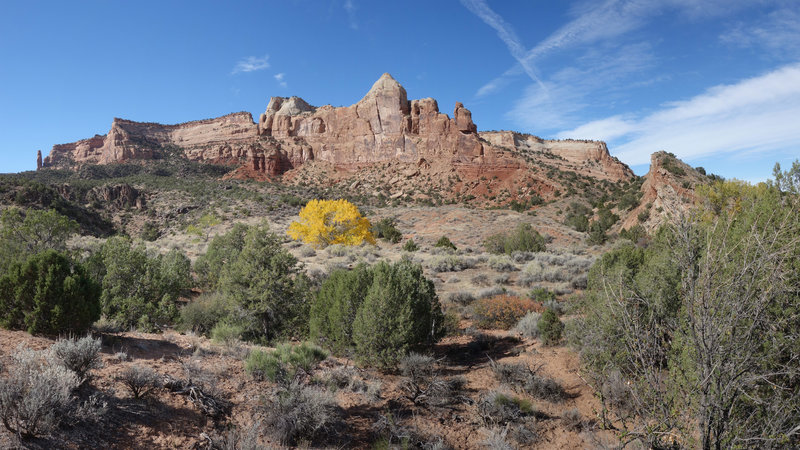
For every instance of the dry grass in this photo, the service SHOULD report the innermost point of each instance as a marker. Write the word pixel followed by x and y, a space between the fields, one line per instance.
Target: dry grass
pixel 502 311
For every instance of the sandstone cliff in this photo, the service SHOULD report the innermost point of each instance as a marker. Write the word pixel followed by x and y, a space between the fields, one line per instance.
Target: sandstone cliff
pixel 228 138
pixel 384 143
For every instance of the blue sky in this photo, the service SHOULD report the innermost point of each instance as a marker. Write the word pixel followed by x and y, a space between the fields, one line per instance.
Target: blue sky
pixel 717 82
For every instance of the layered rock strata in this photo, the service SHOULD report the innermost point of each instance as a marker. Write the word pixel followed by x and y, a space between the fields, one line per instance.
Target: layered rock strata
pixel 384 127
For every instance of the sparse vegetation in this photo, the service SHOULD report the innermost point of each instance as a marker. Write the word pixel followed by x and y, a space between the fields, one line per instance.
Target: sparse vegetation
pixel 35 395
pixel 523 239
pixel 523 377
pixel 385 229
pixel 501 263
pixel 78 355
pixel 451 263
pixel 724 279
pixel 423 385
pixel 444 242
pixel 528 326
pixel 503 408
pixel 410 246
pixel 632 326
pixel 299 412
pixel 283 363
pixel 550 327
pixel 140 380
pixel 502 311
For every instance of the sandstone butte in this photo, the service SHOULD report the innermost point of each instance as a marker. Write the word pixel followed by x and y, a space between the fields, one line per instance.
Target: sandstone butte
pixel 382 133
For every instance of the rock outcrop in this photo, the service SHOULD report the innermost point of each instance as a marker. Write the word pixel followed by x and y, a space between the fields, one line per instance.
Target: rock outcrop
pixel 383 126
pixel 38 159
pixel 668 191
pixel 122 196
pixel 588 157
pixel 228 139
pixel 383 129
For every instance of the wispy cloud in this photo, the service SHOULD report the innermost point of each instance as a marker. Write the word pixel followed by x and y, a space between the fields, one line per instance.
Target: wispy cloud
pixel 251 64
pixel 754 115
pixel 596 79
pixel 506 33
pixel 350 8
pixel 595 22
pixel 778 33
pixel 591 23
pixel 281 79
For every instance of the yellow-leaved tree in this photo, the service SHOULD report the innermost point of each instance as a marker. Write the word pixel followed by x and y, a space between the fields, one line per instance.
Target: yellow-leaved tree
pixel 326 222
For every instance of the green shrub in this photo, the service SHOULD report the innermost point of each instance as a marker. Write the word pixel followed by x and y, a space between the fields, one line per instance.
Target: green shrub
pixel 452 323
pixel 141 289
pixel 302 356
pixel 283 363
pixel 670 162
pixel 400 313
pixel 606 218
pixel 334 307
pixel 525 204
pixel 222 250
pixel 444 242
pixel 226 333
pixel 578 216
pixel 628 201
pixel 410 246
pixel 523 239
pixel 149 232
pixel 385 229
pixel 542 295
pixel 23 233
pixel 550 327
pixel 263 365
pixel 48 293
pixel 265 285
pixel 634 233
pixel 202 314
pixel 597 234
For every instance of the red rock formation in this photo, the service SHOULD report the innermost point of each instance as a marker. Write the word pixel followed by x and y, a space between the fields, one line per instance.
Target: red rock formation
pixel 38 159
pixel 665 194
pixel 228 138
pixel 384 127
pixel 588 157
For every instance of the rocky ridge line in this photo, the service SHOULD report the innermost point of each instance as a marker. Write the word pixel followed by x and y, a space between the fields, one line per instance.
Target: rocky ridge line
pixel 382 130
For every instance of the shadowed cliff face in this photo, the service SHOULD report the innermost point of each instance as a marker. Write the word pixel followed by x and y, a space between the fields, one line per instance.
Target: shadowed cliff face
pixel 384 127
